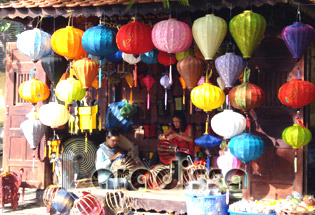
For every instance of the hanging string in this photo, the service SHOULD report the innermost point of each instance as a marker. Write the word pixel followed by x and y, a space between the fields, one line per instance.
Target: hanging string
pixel 39 22
pixel 299 121
pixel 246 74
pixel 70 16
pixel 298 14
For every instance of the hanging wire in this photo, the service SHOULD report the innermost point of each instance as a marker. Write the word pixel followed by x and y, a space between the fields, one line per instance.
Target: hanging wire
pixel 298 14
pixel 39 22
pixel 306 4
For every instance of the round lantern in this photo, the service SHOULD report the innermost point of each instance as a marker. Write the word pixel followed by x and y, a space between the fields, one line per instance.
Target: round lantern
pixel 298 37
pixel 166 59
pixel 171 36
pixel 150 57
pixel 134 38
pixel 181 55
pixel 86 205
pixel 227 161
pixel 247 147
pixel 115 58
pixel 229 67
pixel 33 91
pixel 166 83
pixel 86 71
pixel 67 42
pixel 99 41
pixel 228 124
pixel 54 66
pixel 70 90
pixel 247 30
pixel 296 93
pixel 34 44
pixel 63 201
pixel 53 114
pixel 132 60
pixel 209 32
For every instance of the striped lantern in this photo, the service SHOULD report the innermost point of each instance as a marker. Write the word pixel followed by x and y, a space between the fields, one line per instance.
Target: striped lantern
pixel 54 66
pixel 33 91
pixel 86 205
pixel 70 90
pixel 86 71
pixel 227 161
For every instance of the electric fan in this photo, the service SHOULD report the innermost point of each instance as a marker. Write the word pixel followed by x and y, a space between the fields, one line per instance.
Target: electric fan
pixel 78 162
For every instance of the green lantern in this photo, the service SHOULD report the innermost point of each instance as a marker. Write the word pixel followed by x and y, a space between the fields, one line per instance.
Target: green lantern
pixel 296 136
pixel 70 90
pixel 247 30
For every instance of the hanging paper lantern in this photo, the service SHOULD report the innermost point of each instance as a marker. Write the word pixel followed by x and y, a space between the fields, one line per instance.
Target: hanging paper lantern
pixel 209 32
pixel 34 44
pixel 298 37
pixel 33 91
pixel 166 83
pixel 296 136
pixel 296 93
pixel 247 30
pixel 228 124
pixel 99 41
pixel 53 114
pixel 166 59
pixel 86 205
pixel 95 83
pixel 67 42
pixel 171 36
pixel 86 71
pixel 134 38
pixel 70 90
pixel 54 66
pixel 182 82
pixel 150 57
pixel 227 161
pixel 148 81
pixel 129 80
pixel 229 67
pixel 186 53
pixel 207 97
pixel 129 58
pixel 191 69
pixel 116 58
pixel 247 147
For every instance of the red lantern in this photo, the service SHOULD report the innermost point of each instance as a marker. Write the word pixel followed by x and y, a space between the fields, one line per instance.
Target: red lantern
pixel 296 93
pixel 134 38
pixel 166 59
pixel 148 81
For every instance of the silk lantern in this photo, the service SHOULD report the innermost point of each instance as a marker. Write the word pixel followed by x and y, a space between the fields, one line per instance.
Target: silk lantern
pixel 297 38
pixel 148 81
pixel 182 82
pixel 209 32
pixel 229 67
pixel 150 57
pixel 34 44
pixel 67 42
pixel 115 58
pixel 86 71
pixel 228 124
pixel 166 83
pixel 129 80
pixel 53 114
pixel 167 60
pixel 33 91
pixel 132 60
pixel 227 161
pixel 186 53
pixel 99 41
pixel 247 29
pixel 70 90
pixel 54 66
pixel 63 201
pixel 296 136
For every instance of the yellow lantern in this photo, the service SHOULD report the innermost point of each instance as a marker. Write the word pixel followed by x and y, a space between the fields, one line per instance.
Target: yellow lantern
pixel 34 91
pixel 209 32
pixel 70 90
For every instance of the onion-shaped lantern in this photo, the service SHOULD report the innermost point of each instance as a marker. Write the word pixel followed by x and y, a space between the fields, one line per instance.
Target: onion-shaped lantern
pixel 33 91
pixel 99 41
pixel 53 114
pixel 209 32
pixel 34 44
pixel 67 42
pixel 86 71
pixel 227 161
pixel 247 30
pixel 166 83
pixel 148 82
pixel 298 37
pixel 181 55
pixel 150 57
pixel 70 90
pixel 54 66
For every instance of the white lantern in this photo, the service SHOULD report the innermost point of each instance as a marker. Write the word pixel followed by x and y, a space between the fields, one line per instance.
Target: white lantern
pixel 53 114
pixel 228 124
pixel 227 161
pixel 131 59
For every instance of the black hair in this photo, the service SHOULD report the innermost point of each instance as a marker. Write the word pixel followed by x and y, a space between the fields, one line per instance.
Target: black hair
pixel 183 122
pixel 112 132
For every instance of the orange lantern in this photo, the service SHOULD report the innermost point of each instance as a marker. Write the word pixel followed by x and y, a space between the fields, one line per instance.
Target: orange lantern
pixel 34 91
pixel 67 42
pixel 86 71
pixel 129 80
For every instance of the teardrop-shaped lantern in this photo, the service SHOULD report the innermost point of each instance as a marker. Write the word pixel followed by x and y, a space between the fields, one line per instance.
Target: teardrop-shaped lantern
pixel 247 147
pixel 209 32
pixel 86 71
pixel 171 36
pixel 116 58
pixel 53 114
pixel 99 41
pixel 247 30
pixel 130 82
pixel 166 83
pixel 34 44
pixel 227 161
pixel 70 90
pixel 54 66
pixel 296 136
pixel 150 57
pixel 298 37
pixel 228 124
pixel 229 67
pixel 191 69
pixel 148 81
pixel 134 38
pixel 297 93
pixel 33 91
pixel 186 53
pixel 67 42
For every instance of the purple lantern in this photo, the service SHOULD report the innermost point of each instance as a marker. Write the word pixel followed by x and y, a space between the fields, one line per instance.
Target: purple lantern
pixel 166 83
pixel 229 67
pixel 298 37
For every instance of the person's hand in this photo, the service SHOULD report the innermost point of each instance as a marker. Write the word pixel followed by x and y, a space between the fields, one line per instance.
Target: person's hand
pixel 162 137
pixel 172 136
pixel 118 154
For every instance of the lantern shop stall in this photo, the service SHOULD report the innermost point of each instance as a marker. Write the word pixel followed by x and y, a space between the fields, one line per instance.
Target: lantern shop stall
pixel 241 72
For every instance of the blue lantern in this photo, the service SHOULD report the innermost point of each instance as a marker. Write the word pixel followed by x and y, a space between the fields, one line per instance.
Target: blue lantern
pixel 229 67
pixel 63 201
pixel 99 41
pixel 34 44
pixel 116 58
pixel 247 147
pixel 150 57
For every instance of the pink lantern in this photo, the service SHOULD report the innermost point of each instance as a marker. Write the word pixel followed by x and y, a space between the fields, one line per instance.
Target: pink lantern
pixel 202 80
pixel 86 205
pixel 166 83
pixel 148 81
pixel 227 161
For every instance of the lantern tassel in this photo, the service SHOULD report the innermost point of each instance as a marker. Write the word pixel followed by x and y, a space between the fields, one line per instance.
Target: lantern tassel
pixel 136 75
pixel 130 96
pixel 184 97
pixel 33 165
pixel 191 107
pixel 148 101
pixel 245 180
pixel 32 72
pixel 295 160
pixel 100 123
pixel 114 94
pixel 171 79
pixel 85 141
pixel 227 200
pixel 207 123
pixel 100 76
pixel 247 122
pixel 165 98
